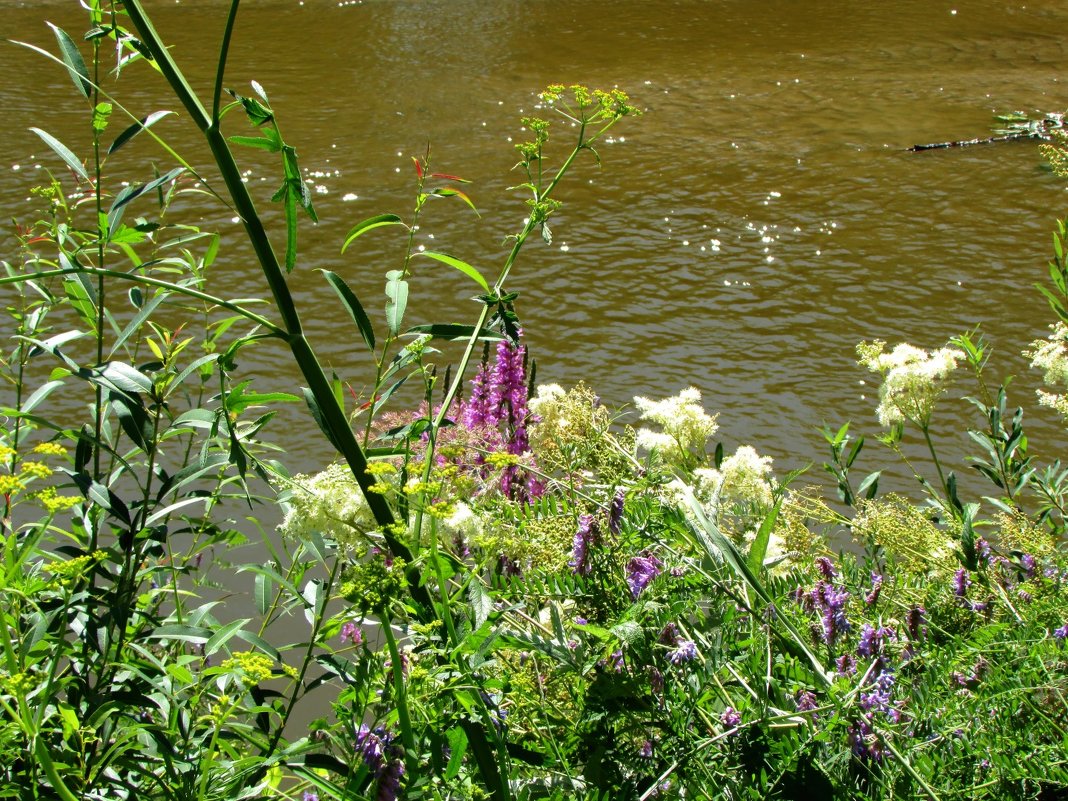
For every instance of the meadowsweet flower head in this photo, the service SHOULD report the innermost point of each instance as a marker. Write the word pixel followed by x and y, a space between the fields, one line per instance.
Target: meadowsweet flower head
pixel 330 503
pixel 743 478
pixel 913 379
pixel 685 426
pixel 1050 355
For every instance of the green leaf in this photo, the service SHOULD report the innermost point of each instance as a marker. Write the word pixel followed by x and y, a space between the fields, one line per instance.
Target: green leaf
pixel 370 224
pixel 458 264
pixel 397 292
pixel 355 309
pixel 453 331
pixel 317 415
pixel 72 58
pixel 223 635
pixel 63 152
pixel 145 122
pixel 457 738
pixel 260 142
pixel 131 193
pixel 481 601
pixel 759 549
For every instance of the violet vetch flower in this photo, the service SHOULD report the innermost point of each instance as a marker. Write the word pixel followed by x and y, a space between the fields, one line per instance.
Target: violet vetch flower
pixel 730 717
pixel 371 745
pixel 826 568
pixel 646 751
pixel 845 665
pixel 806 701
pixel 641 570
pixel 830 601
pixel 876 588
pixel 914 623
pixel 961 583
pixel 389 781
pixel 878 698
pixel 685 652
pixel 1061 633
pixel 615 513
pixel 871 640
pixel 586 536
pixel 1027 561
pixel 309 797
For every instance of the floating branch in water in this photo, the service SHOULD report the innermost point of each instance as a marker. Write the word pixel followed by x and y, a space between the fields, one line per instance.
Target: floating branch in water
pixel 1015 125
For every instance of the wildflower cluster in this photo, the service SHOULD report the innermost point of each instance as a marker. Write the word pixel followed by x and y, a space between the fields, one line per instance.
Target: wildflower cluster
pixel 330 503
pixel 1050 355
pixel 685 427
pixel 382 755
pixel 913 380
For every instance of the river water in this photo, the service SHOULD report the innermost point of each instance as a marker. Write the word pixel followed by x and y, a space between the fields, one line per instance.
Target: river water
pixel 741 237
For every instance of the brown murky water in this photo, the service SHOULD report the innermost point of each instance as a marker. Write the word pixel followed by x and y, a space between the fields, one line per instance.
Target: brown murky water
pixel 759 220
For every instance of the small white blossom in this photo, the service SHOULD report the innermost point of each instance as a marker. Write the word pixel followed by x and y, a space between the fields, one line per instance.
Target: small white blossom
pixel 1050 355
pixel 330 503
pixel 463 523
pixel 686 426
pixel 913 379
pixel 546 396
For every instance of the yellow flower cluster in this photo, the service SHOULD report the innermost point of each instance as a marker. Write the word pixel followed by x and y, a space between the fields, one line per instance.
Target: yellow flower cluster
pixel 255 668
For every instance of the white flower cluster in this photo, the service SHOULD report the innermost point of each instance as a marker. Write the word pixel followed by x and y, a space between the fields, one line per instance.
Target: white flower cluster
pixel 913 379
pixel 546 402
pixel 744 479
pixel 329 502
pixel 686 426
pixel 463 523
pixel 1050 355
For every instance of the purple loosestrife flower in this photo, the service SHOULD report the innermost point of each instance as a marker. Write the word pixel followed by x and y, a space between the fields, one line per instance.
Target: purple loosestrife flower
pixel 641 570
pixel 685 652
pixel 615 513
pixel 351 633
pixel 475 412
pixel 586 536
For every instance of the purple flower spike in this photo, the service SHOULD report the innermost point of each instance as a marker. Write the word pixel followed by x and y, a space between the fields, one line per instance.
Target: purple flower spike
pixel 876 588
pixel 641 570
pixel 1061 633
pixel 585 537
pixel 685 652
pixel 961 583
pixel 615 513
pixel 826 568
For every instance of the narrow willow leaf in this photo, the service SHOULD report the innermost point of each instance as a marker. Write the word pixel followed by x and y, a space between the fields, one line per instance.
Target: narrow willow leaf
pixel 72 58
pixel 458 264
pixel 260 142
pixel 223 636
pixel 42 392
pixel 355 309
pixel 759 549
pixel 397 292
pixel 452 331
pixel 138 320
pixel 370 224
pixel 131 193
pixel 63 152
pixel 145 122
pixel 317 415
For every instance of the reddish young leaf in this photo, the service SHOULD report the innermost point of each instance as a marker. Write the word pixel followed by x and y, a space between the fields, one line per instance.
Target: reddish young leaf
pixel 418 167
pixel 446 177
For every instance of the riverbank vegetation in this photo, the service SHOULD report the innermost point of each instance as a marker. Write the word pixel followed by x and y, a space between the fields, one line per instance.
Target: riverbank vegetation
pixel 506 590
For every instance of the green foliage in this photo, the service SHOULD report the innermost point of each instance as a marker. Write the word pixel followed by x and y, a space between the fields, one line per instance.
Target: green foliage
pixel 502 593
